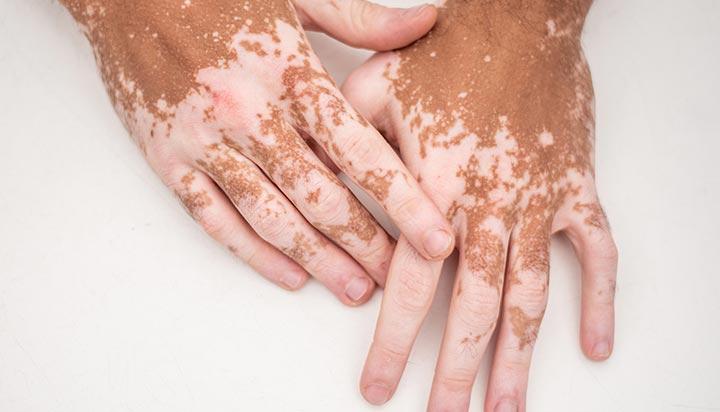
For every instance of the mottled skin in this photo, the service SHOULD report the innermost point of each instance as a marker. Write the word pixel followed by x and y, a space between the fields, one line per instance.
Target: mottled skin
pixel 493 113
pixel 232 109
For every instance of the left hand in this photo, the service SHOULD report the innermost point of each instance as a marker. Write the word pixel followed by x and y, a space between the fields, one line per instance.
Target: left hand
pixel 493 113
pixel 234 111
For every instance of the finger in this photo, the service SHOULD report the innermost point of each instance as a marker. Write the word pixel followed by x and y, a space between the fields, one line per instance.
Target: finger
pixel 319 195
pixel 360 23
pixel 372 101
pixel 362 153
pixel 524 302
pixel 277 221
pixel 217 216
pixel 590 235
pixel 472 318
pixel 407 299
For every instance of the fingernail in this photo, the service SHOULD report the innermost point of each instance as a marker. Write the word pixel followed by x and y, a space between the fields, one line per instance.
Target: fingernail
pixel 601 350
pixel 437 243
pixel 415 11
pixel 357 288
pixel 293 280
pixel 377 394
pixel 506 405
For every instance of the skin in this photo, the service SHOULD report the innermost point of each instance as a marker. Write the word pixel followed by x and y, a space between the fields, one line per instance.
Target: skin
pixel 493 112
pixel 237 115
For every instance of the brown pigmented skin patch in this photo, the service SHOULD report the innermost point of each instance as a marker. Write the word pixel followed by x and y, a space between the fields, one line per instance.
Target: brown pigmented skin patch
pixel 595 215
pixel 379 182
pixel 235 178
pixel 193 200
pixel 524 327
pixel 360 224
pixel 497 100
pixel 304 248
pixel 469 345
pixel 159 46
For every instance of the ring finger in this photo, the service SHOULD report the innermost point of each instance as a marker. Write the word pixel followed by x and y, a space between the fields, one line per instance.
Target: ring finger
pixel 277 221
pixel 472 318
pixel 522 312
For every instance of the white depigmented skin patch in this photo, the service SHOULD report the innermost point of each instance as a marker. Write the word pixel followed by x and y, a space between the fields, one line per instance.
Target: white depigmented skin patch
pixel 546 138
pixel 551 28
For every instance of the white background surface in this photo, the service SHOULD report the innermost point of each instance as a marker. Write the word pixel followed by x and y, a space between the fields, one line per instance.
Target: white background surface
pixel 112 299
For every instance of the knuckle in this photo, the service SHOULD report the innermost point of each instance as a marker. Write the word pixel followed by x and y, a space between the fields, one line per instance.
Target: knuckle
pixel 413 291
pixel 324 265
pixel 375 253
pixel 531 294
pixel 404 209
pixel 168 168
pixel 392 353
pixel 227 107
pixel 330 207
pixel 251 255
pixel 212 224
pixel 514 364
pixel 360 154
pixel 167 173
pixel 201 139
pixel 359 13
pixel 477 307
pixel 269 226
pixel 460 381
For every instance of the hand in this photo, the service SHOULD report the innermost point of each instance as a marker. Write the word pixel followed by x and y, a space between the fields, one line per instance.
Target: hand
pixel 229 104
pixel 493 113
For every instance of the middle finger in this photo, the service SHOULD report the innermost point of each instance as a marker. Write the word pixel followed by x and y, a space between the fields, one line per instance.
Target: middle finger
pixel 523 309
pixel 472 318
pixel 411 285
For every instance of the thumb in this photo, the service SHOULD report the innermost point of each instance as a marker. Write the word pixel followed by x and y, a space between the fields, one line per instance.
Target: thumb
pixel 359 23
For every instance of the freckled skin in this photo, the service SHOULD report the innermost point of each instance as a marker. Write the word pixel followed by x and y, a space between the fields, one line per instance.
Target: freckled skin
pixel 222 86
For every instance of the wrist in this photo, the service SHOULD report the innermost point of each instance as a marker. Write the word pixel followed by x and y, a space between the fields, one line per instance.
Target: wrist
pixel 529 17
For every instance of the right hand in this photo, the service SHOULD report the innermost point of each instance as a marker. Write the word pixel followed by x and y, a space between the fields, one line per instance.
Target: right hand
pixel 229 103
pixel 493 111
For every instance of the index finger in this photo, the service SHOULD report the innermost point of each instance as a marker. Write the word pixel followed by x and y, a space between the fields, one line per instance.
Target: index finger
pixel 411 285
pixel 363 154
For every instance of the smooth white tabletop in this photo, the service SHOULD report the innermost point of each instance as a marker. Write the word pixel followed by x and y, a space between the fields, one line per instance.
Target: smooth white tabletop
pixel 113 299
